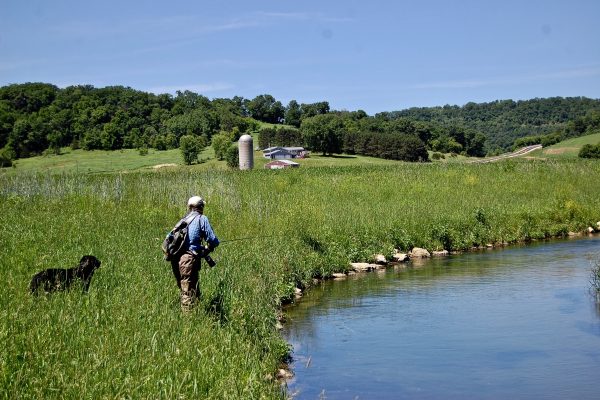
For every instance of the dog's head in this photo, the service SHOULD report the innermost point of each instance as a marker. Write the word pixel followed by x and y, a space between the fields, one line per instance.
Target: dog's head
pixel 89 263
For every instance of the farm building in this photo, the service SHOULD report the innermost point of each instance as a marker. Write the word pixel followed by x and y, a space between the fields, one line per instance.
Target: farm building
pixel 280 164
pixel 280 153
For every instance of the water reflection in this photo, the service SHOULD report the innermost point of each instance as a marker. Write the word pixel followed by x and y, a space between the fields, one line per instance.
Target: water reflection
pixel 516 323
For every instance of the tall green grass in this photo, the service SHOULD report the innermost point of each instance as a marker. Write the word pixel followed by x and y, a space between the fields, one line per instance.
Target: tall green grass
pixel 127 337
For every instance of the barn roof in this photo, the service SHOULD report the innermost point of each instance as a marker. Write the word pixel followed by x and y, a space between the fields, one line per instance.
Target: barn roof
pixel 270 149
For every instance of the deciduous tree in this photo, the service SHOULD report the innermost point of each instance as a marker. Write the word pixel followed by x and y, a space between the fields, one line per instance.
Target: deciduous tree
pixel 265 108
pixel 220 143
pixel 323 133
pixel 190 147
pixel 293 114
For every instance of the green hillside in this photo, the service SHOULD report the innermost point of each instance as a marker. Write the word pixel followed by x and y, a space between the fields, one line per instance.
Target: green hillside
pixel 567 148
pixel 40 118
pixel 504 121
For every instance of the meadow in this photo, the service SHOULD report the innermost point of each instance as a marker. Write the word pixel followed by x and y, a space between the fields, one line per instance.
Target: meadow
pixel 127 337
pixel 129 160
pixel 567 148
pixel 102 161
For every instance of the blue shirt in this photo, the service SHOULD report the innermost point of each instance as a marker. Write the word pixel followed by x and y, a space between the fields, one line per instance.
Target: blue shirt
pixel 200 230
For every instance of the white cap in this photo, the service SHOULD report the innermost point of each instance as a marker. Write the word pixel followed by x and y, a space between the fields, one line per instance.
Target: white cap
pixel 196 201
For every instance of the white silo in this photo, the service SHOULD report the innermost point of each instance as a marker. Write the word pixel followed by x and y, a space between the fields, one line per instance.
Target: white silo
pixel 246 155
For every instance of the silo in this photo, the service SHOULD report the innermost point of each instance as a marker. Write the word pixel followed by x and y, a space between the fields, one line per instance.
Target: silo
pixel 246 155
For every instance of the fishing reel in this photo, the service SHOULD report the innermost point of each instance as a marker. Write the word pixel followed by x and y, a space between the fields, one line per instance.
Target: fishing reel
pixel 211 263
pixel 205 254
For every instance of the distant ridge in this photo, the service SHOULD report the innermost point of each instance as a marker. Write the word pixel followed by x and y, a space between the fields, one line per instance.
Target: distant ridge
pixel 503 121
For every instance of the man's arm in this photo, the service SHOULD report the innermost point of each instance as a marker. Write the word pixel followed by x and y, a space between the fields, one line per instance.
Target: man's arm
pixel 209 235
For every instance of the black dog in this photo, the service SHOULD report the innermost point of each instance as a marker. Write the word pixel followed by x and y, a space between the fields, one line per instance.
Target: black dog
pixel 54 279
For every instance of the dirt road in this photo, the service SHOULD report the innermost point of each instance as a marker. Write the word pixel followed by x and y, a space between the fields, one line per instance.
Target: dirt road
pixel 516 153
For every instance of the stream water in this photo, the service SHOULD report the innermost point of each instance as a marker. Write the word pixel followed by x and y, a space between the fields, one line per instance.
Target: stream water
pixel 515 323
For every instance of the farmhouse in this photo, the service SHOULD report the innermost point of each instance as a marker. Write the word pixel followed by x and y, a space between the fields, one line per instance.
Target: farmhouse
pixel 281 164
pixel 280 153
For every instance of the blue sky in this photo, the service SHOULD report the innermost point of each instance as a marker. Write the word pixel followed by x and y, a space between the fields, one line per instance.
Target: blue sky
pixel 371 55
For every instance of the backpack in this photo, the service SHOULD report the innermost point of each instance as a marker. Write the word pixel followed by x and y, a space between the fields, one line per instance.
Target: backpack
pixel 174 244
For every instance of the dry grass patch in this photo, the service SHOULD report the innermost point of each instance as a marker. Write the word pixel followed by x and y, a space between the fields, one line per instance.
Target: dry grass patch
pixel 561 150
pixel 158 166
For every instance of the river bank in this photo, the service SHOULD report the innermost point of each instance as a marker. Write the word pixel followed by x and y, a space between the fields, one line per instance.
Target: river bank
pixel 417 254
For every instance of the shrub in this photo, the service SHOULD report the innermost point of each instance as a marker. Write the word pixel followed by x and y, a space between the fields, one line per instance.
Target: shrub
pixel 590 151
pixel 190 147
pixel 159 142
pixel 550 139
pixel 444 235
pixel 221 143
pixel 75 144
pixel 232 156
pixel 6 158
pixel 92 139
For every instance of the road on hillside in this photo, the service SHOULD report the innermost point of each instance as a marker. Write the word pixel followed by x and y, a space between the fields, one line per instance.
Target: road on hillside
pixel 517 153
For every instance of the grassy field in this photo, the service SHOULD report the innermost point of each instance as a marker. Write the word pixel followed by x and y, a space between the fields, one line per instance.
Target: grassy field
pixel 129 160
pixel 128 339
pixel 98 161
pixel 567 149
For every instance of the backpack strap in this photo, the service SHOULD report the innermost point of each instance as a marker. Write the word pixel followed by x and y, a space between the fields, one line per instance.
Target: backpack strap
pixel 185 221
pixel 188 219
pixel 191 217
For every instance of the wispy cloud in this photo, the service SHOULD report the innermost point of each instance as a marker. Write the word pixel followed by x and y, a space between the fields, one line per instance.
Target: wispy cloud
pixel 571 73
pixel 282 15
pixel 304 16
pixel 188 24
pixel 236 24
pixel 178 24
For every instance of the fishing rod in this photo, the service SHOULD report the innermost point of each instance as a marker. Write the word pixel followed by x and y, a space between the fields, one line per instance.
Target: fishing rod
pixel 246 238
pixel 212 262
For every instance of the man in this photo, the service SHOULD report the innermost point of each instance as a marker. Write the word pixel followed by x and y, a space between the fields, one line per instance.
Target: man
pixel 186 268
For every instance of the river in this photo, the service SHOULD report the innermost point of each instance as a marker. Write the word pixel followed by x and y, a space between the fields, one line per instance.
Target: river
pixel 518 323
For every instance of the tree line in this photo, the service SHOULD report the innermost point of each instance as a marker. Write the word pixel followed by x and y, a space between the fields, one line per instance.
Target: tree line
pixel 505 121
pixel 580 126
pixel 355 132
pixel 37 118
